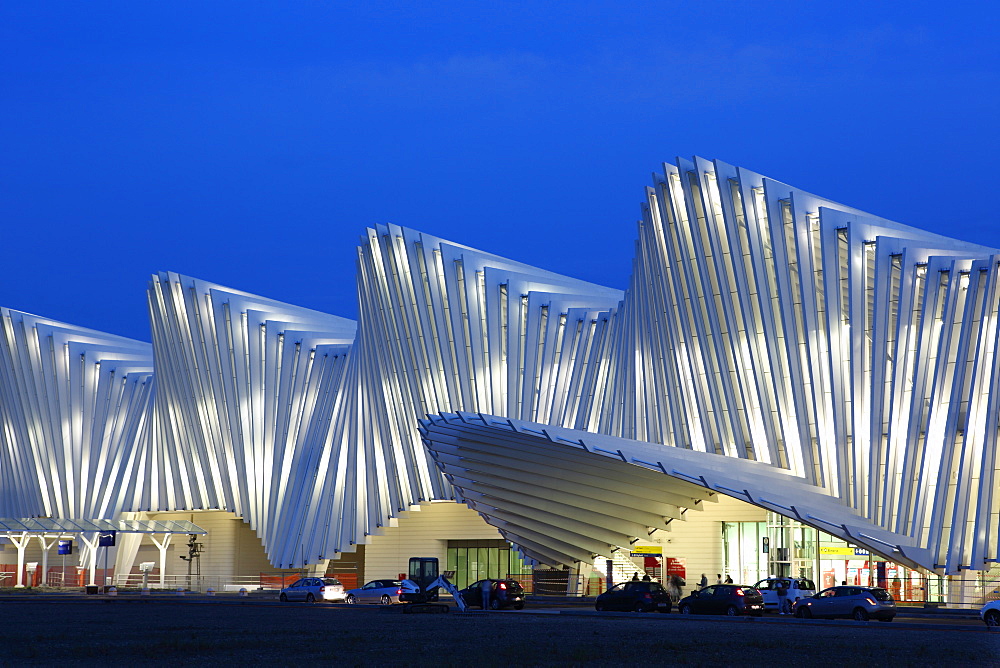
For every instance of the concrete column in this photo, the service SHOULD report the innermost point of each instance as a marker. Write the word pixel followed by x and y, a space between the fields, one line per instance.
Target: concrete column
pixel 91 558
pixel 162 546
pixel 46 545
pixel 20 543
pixel 318 570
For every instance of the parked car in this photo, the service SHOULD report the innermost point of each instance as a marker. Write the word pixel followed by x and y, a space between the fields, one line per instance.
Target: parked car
pixel 797 588
pixel 635 597
pixel 385 592
pixel 313 589
pixel 991 613
pixel 503 594
pixel 860 603
pixel 724 599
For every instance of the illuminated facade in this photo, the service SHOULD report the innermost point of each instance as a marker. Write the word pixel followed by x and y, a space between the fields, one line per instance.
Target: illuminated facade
pixel 772 346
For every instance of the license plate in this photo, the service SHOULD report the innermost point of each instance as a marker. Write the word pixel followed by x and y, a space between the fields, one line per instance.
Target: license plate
pixel 661 605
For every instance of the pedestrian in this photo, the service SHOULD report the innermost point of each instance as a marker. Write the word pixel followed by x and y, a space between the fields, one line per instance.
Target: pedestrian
pixel 782 592
pixel 703 582
pixel 635 576
pixel 646 578
pixel 718 578
pixel 674 587
pixel 729 580
pixel 485 589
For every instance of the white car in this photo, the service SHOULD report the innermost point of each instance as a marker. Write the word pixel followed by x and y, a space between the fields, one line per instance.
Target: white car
pixel 991 613
pixel 797 588
pixel 313 589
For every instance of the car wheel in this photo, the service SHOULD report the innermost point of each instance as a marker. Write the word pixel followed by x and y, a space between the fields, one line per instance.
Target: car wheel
pixel 310 598
pixel 494 604
pixel 386 600
pixel 860 614
pixel 684 609
pixel 639 607
pixel 803 613
pixel 732 611
pixel 599 607
pixel 352 599
pixel 283 598
pixel 992 618
pixel 519 605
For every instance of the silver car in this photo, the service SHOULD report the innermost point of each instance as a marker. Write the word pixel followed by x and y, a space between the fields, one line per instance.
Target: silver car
pixel 313 589
pixel 796 587
pixel 860 603
pixel 385 592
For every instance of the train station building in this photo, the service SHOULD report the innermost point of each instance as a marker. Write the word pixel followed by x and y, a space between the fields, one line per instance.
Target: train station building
pixel 788 386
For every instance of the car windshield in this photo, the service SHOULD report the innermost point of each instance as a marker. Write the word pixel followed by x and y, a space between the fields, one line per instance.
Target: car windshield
pixel 331 581
pixel 881 594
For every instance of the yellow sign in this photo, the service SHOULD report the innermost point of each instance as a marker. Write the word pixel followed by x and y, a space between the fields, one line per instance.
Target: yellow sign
pixel 643 550
pixel 838 551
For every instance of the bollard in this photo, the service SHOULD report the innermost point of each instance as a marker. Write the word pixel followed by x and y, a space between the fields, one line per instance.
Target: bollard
pixel 210 592
pixel 243 591
pixel 112 591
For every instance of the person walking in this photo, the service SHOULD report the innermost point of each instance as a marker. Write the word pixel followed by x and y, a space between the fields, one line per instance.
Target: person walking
pixel 782 592
pixel 635 576
pixel 485 589
pixel 718 578
pixel 703 582
pixel 728 580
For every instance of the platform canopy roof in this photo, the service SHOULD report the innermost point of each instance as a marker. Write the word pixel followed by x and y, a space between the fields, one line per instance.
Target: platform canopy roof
pixel 52 525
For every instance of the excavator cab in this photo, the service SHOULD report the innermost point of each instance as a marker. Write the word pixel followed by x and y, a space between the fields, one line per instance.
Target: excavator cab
pixel 424 571
pixel 420 589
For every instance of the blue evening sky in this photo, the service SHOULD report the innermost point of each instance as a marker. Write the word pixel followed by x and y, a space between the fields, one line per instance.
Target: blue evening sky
pixel 251 143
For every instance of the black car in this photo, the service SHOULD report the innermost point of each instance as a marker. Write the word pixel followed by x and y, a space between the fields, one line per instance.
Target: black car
pixel 503 594
pixel 635 597
pixel 724 599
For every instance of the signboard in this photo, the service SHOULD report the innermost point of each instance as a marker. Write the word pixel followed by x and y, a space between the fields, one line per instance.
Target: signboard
pixel 65 547
pixel 106 539
pixel 646 551
pixel 677 567
pixel 836 551
pixel 842 552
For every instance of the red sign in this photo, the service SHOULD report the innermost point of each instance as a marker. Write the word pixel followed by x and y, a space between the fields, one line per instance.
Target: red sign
pixel 677 567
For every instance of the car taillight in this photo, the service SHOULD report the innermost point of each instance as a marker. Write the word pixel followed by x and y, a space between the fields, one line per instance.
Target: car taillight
pixel 322 589
pixel 739 592
pixel 399 592
pixel 647 595
pixel 502 585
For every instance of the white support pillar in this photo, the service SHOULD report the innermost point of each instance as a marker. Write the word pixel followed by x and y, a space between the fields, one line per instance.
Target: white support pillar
pixel 46 545
pixel 91 555
pixel 318 570
pixel 163 556
pixel 20 542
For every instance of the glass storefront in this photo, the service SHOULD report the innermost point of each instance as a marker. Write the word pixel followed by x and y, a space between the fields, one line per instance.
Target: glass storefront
pixel 784 547
pixel 477 559
pixel 742 542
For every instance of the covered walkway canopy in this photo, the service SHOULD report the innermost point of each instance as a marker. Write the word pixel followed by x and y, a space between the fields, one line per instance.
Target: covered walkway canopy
pixel 52 525
pixel 47 530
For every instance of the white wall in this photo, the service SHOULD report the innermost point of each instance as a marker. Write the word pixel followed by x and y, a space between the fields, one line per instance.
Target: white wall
pixel 698 539
pixel 423 533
